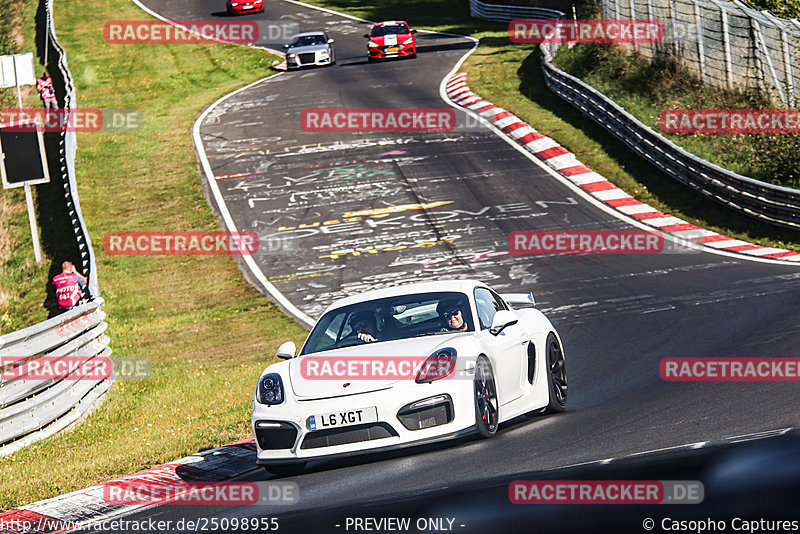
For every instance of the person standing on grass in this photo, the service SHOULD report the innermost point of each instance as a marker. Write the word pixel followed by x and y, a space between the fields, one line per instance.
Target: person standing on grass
pixel 69 286
pixel 45 87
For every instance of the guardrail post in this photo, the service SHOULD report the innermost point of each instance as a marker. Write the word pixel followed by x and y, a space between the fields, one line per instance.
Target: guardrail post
pixel 651 16
pixel 726 43
pixel 701 52
pixel 673 13
pixel 762 45
pixel 795 25
pixel 757 58
pixel 787 69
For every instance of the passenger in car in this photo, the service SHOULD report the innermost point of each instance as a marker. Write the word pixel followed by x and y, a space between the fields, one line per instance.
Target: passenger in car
pixel 451 316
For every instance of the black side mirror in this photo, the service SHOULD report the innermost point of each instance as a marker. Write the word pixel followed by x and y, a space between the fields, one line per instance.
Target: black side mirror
pixel 413 31
pixel 366 35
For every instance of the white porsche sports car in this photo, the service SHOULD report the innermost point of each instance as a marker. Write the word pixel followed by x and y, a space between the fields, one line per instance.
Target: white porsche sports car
pixel 403 366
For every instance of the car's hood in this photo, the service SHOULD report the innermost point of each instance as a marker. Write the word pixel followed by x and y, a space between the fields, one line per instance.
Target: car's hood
pixel 390 40
pixel 306 49
pixel 310 386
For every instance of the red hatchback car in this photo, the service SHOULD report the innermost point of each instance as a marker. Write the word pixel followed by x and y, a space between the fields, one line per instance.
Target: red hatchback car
pixel 237 7
pixel 391 39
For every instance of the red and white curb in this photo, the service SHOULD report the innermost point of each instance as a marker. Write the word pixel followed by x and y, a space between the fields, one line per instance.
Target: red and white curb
pixel 567 165
pixel 85 506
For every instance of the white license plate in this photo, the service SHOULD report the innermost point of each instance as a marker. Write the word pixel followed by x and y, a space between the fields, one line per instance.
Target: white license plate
pixel 343 418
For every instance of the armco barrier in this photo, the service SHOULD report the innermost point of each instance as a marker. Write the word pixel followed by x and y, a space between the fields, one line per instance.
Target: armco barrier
pixel 773 204
pixel 31 410
pixel 67 147
pixel 500 13
pixel 769 203
pixel 34 409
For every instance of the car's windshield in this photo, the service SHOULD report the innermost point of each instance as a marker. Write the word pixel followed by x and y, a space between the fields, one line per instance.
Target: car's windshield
pixel 394 29
pixel 388 319
pixel 307 40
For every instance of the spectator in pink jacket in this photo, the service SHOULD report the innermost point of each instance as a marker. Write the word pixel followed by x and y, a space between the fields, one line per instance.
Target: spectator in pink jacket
pixel 69 286
pixel 45 87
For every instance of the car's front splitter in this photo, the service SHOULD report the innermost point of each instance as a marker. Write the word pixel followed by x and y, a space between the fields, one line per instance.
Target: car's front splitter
pixel 388 403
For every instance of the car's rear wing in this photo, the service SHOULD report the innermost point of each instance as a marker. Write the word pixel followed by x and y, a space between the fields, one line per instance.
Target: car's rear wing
pixel 518 298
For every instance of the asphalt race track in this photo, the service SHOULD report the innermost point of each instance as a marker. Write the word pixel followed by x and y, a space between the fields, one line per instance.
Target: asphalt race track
pixel 618 315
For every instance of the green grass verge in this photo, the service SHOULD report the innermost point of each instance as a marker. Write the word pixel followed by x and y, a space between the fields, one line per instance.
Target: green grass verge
pixel 645 88
pixel 22 280
pixel 511 77
pixel 208 333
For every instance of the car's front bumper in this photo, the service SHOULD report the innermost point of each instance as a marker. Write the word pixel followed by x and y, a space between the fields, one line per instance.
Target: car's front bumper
pixel 381 53
pixel 247 8
pixel 307 59
pixel 288 438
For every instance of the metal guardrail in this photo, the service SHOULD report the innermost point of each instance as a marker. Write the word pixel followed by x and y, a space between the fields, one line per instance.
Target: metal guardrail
pixel 500 13
pixel 31 410
pixel 67 148
pixel 34 409
pixel 769 203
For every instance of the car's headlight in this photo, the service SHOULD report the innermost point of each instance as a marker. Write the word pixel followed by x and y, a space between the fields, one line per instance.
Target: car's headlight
pixel 372 45
pixel 408 41
pixel 441 364
pixel 292 56
pixel 270 389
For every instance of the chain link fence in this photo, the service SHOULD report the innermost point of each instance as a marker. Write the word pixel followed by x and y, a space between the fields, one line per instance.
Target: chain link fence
pixel 725 42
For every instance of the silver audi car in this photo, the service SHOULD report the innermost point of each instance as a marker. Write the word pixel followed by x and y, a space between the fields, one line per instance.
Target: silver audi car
pixel 310 48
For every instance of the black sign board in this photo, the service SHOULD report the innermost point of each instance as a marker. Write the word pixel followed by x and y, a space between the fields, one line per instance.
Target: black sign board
pixel 23 156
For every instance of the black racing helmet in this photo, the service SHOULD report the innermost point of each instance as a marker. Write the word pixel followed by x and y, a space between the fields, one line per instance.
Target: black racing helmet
pixel 359 317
